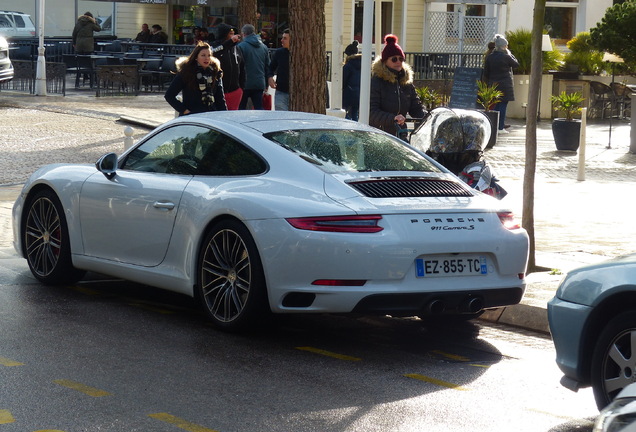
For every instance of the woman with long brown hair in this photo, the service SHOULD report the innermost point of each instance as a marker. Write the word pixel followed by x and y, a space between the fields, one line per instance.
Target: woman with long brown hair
pixel 198 79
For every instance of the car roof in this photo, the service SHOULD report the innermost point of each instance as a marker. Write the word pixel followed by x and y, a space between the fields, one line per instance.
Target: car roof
pixel 265 121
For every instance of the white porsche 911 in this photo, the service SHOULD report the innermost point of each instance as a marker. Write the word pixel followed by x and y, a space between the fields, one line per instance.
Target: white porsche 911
pixel 257 211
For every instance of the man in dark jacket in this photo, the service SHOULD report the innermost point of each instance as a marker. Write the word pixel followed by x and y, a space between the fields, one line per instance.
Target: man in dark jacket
pixel 351 77
pixel 158 36
pixel 83 40
pixel 498 70
pixel 256 58
pixel 144 34
pixel 279 67
pixel 232 64
pixel 393 94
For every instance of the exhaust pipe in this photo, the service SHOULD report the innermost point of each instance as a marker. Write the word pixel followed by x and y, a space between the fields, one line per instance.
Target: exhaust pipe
pixel 471 305
pixel 436 307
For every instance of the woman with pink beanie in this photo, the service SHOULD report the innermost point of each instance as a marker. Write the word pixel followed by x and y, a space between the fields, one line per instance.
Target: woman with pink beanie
pixel 393 94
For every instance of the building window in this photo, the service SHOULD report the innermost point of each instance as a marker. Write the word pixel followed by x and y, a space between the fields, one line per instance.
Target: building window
pixel 560 20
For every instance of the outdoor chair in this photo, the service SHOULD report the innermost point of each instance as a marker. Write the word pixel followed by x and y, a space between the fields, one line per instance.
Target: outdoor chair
pixel 601 100
pixel 623 99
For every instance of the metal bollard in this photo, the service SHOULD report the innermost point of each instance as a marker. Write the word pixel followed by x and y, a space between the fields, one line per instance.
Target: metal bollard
pixel 581 171
pixel 128 140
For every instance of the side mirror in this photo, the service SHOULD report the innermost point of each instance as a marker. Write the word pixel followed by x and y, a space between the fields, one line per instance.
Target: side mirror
pixel 107 165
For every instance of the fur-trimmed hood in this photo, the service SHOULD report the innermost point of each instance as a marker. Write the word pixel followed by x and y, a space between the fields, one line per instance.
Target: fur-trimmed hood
pixel 381 70
pixel 352 57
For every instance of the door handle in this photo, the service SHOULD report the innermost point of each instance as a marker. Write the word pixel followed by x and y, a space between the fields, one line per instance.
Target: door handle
pixel 163 205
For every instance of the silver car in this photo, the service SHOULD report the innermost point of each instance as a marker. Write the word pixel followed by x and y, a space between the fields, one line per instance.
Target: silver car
pixel 6 68
pixel 593 324
pixel 255 212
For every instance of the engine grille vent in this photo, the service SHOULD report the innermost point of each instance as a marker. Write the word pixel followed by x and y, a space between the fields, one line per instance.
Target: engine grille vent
pixel 409 188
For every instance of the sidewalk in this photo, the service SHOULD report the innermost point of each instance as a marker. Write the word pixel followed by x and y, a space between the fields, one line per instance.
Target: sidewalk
pixel 576 222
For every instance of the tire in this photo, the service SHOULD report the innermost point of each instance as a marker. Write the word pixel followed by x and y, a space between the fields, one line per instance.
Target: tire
pixel 614 358
pixel 46 241
pixel 230 284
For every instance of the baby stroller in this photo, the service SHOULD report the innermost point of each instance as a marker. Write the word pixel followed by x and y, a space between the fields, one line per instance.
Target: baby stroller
pixel 456 138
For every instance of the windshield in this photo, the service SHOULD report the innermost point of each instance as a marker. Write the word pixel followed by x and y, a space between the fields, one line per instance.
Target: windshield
pixel 339 151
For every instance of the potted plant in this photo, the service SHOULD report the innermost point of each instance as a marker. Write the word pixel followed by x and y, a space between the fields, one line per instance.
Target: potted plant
pixel 488 96
pixel 430 98
pixel 566 131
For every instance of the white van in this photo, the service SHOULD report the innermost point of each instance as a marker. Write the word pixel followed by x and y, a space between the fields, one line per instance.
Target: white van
pixel 16 25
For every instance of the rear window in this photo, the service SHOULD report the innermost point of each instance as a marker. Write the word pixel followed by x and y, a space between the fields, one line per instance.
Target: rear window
pixel 339 151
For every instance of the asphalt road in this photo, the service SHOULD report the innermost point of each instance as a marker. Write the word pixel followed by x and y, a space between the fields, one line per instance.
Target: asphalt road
pixel 104 355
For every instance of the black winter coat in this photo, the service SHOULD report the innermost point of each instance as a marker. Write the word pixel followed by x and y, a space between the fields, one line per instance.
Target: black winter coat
pixel 351 73
pixel 192 98
pixel 232 64
pixel 392 94
pixel 498 70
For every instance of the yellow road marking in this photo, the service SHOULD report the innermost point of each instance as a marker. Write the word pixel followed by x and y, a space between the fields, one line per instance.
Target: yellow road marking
pixel 85 290
pixel 74 385
pixel 6 417
pixel 479 365
pixel 451 356
pixel 437 382
pixel 328 353
pixel 180 423
pixel 8 362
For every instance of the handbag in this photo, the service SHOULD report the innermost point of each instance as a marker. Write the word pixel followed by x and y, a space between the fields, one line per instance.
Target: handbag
pixel 267 101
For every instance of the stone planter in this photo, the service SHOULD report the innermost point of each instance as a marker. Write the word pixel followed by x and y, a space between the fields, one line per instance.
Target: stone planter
pixel 493 119
pixel 566 134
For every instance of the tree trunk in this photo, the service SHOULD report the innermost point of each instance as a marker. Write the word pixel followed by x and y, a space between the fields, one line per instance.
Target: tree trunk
pixel 536 69
pixel 247 13
pixel 308 61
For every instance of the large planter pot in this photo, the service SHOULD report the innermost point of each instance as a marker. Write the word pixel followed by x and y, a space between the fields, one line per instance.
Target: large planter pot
pixel 493 118
pixel 566 134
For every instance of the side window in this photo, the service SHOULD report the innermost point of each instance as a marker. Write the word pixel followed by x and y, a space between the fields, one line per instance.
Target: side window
pixel 228 157
pixel 19 21
pixel 177 150
pixel 4 22
pixel 194 150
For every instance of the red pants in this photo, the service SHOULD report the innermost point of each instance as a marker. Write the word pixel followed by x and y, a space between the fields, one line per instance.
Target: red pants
pixel 233 98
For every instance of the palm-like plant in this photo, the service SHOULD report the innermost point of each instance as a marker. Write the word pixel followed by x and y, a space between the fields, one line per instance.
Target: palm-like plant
pixel 569 103
pixel 488 95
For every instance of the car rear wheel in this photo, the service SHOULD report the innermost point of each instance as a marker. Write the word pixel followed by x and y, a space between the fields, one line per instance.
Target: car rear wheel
pixel 231 285
pixel 46 241
pixel 614 358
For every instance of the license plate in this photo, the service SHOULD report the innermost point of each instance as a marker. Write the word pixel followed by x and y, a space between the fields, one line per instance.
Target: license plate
pixel 452 265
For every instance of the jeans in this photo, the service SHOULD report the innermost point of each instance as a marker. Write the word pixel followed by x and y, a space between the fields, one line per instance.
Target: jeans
pixel 281 101
pixel 501 107
pixel 257 99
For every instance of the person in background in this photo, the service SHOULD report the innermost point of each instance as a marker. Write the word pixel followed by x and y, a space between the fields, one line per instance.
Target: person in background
pixel 393 94
pixel 351 73
pixel 198 79
pixel 232 64
pixel 256 58
pixel 144 34
pixel 279 67
pixel 491 48
pixel 83 39
pixel 158 36
pixel 498 70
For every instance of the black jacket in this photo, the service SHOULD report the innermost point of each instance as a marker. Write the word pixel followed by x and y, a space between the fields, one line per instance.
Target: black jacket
pixel 392 94
pixel 351 76
pixel 232 62
pixel 498 69
pixel 192 98
pixel 279 66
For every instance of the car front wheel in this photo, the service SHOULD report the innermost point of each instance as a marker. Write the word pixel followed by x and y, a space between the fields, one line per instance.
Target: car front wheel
pixel 231 285
pixel 614 358
pixel 46 241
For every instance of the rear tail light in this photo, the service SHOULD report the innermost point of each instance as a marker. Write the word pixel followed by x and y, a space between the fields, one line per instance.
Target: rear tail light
pixel 348 224
pixel 509 220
